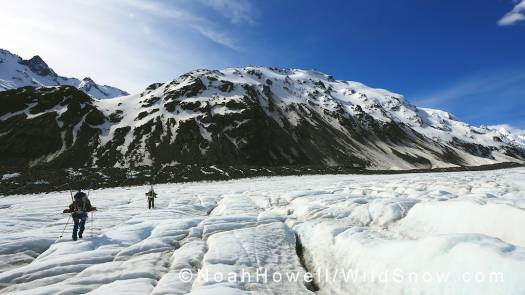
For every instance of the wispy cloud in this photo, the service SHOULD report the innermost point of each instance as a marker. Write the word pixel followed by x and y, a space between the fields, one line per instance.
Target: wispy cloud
pixel 491 97
pixel 238 11
pixel 173 11
pixel 125 43
pixel 498 83
pixel 516 15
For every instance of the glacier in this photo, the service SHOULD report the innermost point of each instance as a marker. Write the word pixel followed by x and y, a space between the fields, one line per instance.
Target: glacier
pixel 433 233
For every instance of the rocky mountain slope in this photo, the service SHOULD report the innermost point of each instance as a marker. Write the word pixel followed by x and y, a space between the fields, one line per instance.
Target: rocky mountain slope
pixel 242 116
pixel 16 72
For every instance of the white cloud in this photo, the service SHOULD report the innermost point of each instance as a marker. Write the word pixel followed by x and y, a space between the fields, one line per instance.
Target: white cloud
pixel 199 24
pixel 516 15
pixel 237 11
pixel 124 43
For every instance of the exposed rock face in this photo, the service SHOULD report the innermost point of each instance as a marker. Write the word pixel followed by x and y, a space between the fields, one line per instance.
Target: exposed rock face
pixel 38 66
pixel 248 116
pixel 56 125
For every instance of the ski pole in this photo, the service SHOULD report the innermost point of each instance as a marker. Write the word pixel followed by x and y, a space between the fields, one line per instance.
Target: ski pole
pixel 89 190
pixel 67 222
pixel 70 192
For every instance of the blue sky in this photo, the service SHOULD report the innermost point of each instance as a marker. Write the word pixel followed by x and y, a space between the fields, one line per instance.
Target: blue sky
pixel 466 57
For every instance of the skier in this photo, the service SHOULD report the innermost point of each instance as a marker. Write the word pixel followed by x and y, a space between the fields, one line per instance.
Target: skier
pixel 151 198
pixel 79 209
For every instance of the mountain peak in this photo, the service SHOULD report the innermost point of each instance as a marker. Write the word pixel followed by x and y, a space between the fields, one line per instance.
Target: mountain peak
pixel 16 72
pixel 38 66
pixel 87 84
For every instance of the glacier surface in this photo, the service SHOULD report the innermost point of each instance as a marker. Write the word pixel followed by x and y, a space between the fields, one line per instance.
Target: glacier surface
pixel 439 233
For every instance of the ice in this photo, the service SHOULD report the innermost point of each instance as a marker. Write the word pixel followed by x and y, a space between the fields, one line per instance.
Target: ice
pixel 269 246
pixel 495 220
pixel 371 254
pixel 203 237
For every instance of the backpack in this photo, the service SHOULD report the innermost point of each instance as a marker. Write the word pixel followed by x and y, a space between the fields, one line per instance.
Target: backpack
pixel 81 202
pixel 151 194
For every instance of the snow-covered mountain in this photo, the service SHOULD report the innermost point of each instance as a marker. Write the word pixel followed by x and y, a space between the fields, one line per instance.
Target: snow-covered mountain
pixel 510 133
pixel 242 116
pixel 16 72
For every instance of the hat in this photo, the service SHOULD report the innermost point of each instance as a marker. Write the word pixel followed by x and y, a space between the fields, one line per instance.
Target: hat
pixel 79 195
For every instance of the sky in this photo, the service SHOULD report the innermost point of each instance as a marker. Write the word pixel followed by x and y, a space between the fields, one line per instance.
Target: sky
pixel 466 57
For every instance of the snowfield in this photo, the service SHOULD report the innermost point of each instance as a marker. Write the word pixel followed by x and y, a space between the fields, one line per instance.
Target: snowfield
pixel 439 233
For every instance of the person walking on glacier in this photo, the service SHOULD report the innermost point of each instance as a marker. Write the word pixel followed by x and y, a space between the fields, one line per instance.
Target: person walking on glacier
pixel 79 209
pixel 151 195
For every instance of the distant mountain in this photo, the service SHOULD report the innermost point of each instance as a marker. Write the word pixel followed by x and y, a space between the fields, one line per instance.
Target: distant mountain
pixel 16 72
pixel 242 116
pixel 510 133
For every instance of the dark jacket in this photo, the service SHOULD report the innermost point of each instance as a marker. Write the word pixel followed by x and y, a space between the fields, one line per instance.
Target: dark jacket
pixel 80 206
pixel 151 194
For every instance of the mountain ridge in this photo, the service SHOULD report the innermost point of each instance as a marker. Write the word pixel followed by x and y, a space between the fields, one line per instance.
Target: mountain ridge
pixel 247 116
pixel 16 72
